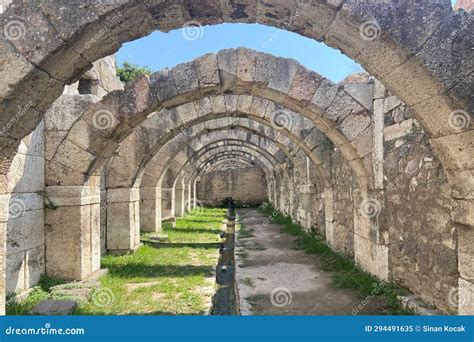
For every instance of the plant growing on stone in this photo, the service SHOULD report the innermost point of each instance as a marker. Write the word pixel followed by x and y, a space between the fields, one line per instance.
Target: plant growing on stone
pixel 129 72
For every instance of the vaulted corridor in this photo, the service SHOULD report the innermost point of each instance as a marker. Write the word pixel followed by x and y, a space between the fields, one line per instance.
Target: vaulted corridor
pixel 372 173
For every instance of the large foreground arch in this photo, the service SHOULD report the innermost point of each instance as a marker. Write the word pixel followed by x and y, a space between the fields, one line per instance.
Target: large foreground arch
pixel 411 63
pixel 78 34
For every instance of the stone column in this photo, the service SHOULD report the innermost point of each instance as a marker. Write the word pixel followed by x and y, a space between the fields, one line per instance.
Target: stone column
pixel 189 201
pixel 329 215
pixel 167 203
pixel 72 220
pixel 370 242
pixel 123 220
pixel 4 209
pixel 184 209
pixel 378 138
pixel 150 209
pixel 463 215
pixel 305 214
pixel 195 193
pixel 179 193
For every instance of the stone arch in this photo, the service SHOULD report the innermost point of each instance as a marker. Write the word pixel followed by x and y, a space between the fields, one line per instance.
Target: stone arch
pixel 328 107
pixel 409 63
pixel 402 60
pixel 155 188
pixel 210 140
pixel 149 194
pixel 149 191
pixel 133 145
pixel 125 112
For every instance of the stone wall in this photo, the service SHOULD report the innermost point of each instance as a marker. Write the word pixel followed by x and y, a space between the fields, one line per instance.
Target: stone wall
pixel 244 185
pixel 423 249
pixel 415 206
pixel 25 260
pixel 343 204
pixel 26 202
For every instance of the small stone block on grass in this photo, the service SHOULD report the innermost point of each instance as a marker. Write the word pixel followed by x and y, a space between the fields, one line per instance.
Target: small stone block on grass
pixel 52 307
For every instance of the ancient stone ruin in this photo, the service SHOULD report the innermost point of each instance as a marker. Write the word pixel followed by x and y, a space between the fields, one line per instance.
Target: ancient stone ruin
pixel 381 164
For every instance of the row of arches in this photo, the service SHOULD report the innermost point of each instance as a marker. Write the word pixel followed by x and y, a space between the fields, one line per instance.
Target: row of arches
pixel 154 139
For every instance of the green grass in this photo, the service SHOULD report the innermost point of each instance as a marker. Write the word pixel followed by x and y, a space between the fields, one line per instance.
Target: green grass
pixel 346 274
pixel 39 293
pixel 172 277
pixel 165 277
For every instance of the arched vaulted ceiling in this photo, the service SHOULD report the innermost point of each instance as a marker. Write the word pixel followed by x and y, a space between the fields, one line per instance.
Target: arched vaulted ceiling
pixel 58 43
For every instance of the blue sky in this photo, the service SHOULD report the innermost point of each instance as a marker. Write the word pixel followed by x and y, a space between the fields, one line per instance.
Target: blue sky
pixel 160 50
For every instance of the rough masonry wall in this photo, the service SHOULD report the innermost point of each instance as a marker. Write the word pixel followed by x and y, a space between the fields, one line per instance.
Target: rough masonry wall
pixel 423 248
pixel 25 229
pixel 342 182
pixel 245 185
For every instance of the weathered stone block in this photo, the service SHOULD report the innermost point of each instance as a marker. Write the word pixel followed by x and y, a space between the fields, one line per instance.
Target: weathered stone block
pixel 283 75
pixel 52 307
pixel 372 257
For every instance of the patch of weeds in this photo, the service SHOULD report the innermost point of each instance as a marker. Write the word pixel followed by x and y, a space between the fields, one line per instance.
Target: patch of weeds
pixel 415 132
pixel 15 306
pixel 242 254
pixel 46 282
pixel 254 300
pixel 346 274
pixel 249 282
pixel 39 293
pixel 258 247
pixel 243 232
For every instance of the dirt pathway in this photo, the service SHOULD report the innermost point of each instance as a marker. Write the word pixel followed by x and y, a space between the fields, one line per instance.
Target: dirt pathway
pixel 274 278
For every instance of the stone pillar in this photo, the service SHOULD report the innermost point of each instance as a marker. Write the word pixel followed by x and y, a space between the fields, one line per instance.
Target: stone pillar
pixel 370 242
pixel 189 201
pixel 463 214
pixel 179 193
pixel 167 203
pixel 195 193
pixel 4 209
pixel 378 138
pixel 305 210
pixel 329 215
pixel 150 209
pixel 184 209
pixel 123 220
pixel 72 222
pixel 275 194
